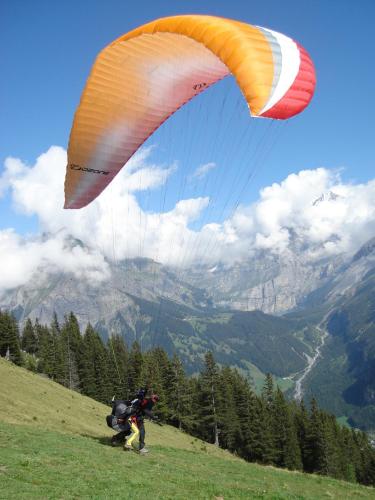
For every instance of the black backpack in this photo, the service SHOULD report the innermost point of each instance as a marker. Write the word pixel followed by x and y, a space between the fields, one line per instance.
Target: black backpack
pixel 120 408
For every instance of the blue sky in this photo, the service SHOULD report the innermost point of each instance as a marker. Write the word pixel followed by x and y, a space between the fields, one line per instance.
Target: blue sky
pixel 48 48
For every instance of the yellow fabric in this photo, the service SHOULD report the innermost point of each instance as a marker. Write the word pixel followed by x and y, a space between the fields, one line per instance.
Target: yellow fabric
pixel 133 435
pixel 143 77
pixel 242 48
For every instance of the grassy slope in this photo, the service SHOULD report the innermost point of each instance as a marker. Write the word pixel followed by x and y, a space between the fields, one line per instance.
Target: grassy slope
pixel 54 444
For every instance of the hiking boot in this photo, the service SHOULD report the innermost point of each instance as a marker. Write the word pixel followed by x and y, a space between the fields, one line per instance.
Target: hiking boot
pixel 127 447
pixel 143 451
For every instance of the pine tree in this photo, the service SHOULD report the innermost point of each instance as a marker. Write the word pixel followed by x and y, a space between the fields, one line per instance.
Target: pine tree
pixel 316 445
pixel 3 336
pixel 227 411
pixel 351 457
pixel 70 337
pixel 301 419
pixel 86 367
pixel 59 364
pixel 45 354
pixel 119 366
pixel 265 440
pixel 267 422
pixel 29 338
pixel 94 367
pixel 247 409
pixel 10 338
pixel 135 369
pixel 157 375
pixel 365 470
pixel 334 447
pixel 268 391
pixel 14 342
pixel 287 446
pixel 208 395
pixel 180 397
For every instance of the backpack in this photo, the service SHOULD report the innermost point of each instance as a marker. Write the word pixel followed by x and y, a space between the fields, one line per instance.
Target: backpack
pixel 120 408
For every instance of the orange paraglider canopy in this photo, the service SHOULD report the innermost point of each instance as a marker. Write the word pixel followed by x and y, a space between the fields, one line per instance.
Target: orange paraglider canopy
pixel 144 76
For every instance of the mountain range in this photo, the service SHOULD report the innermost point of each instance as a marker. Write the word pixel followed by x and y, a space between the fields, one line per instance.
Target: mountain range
pixel 305 320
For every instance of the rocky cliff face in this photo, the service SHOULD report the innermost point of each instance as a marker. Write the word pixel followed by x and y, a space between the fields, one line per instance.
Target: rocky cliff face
pixel 274 284
pixel 103 301
pixel 271 283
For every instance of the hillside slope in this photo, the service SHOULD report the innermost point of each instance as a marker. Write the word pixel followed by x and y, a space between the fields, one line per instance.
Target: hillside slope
pixel 54 444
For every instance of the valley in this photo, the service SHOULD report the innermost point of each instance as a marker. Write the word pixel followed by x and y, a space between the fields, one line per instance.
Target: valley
pixel 319 343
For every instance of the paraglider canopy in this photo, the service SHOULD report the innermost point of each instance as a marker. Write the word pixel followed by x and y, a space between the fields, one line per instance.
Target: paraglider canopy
pixel 143 77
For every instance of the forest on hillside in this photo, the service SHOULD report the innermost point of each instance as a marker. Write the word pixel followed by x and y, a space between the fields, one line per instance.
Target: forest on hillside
pixel 217 405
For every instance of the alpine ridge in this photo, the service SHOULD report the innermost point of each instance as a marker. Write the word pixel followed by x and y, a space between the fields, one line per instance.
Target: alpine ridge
pixel 231 311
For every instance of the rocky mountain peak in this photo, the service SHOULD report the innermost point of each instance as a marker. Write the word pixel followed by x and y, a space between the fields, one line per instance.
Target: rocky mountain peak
pixel 366 250
pixel 330 196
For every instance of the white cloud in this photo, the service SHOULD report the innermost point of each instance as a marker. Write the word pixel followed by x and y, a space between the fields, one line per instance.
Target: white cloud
pixel 203 170
pixel 21 258
pixel 286 212
pixel 112 227
pixel 115 226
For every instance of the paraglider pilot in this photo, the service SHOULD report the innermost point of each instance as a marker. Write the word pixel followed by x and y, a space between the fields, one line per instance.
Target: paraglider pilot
pixel 128 418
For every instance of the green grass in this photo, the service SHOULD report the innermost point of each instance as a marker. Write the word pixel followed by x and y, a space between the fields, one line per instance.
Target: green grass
pixel 285 383
pixel 54 444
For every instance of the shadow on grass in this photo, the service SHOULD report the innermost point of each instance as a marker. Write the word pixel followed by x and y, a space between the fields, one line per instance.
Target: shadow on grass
pixel 104 440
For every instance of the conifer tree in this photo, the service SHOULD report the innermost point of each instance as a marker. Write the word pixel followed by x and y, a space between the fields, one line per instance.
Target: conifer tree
pixel 3 336
pixel 156 375
pixel 45 351
pixel 196 426
pixel 316 456
pixel 334 447
pixel 10 338
pixel 301 419
pixel 59 365
pixel 227 411
pixel 366 467
pixel 71 342
pixel 265 440
pixel 351 458
pixel 287 446
pixel 268 391
pixel 267 422
pixel 323 441
pixel 14 343
pixel 209 395
pixel 180 397
pixel 248 410
pixel 29 338
pixel 94 367
pixel 86 368
pixel 135 369
pixel 119 366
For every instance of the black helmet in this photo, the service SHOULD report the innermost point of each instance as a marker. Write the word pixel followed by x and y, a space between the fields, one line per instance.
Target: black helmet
pixel 141 393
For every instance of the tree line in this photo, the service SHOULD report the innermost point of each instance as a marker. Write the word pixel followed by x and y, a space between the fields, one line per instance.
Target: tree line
pixel 218 405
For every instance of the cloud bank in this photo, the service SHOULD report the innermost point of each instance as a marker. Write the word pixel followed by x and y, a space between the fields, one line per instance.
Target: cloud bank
pixel 312 209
